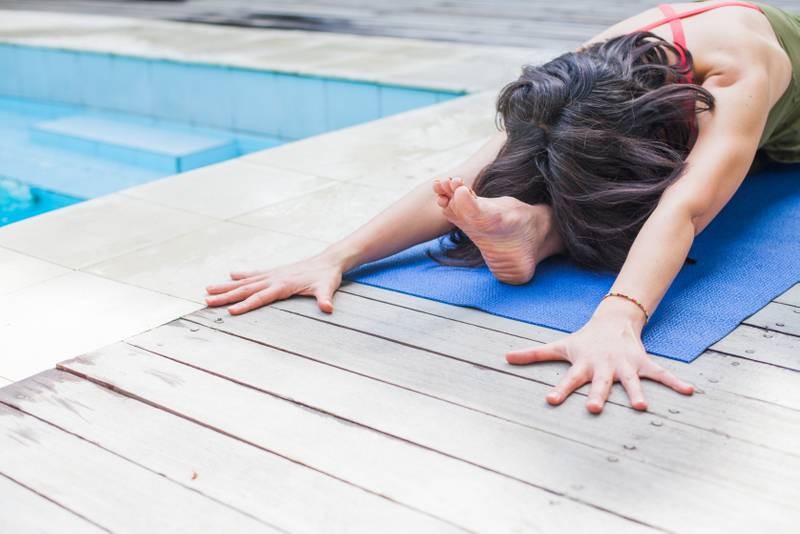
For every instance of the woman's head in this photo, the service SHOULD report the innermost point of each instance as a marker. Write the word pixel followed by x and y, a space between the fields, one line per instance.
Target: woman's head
pixel 597 134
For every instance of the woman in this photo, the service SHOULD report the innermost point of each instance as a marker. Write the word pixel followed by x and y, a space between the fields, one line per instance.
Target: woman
pixel 617 155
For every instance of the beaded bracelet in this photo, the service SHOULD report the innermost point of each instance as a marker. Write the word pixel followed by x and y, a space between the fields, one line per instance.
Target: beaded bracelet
pixel 631 299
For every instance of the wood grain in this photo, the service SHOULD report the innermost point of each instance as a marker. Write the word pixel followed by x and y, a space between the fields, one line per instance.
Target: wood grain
pixel 511 22
pixel 23 511
pixel 445 487
pixel 530 454
pixel 720 410
pixel 262 484
pixel 757 381
pixel 102 487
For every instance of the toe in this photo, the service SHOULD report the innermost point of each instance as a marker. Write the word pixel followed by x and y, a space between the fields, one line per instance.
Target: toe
pixel 440 188
pixel 452 184
pixel 465 203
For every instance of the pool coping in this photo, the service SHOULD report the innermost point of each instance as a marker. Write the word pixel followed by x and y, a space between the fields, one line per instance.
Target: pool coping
pixel 438 65
pixel 105 269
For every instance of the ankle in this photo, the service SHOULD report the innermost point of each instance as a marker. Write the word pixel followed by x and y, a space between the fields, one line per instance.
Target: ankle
pixel 551 242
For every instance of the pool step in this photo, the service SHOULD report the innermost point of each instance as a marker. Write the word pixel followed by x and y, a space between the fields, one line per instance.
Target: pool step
pixel 150 146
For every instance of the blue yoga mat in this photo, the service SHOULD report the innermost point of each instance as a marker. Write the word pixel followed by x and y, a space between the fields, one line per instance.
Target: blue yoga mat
pixel 746 257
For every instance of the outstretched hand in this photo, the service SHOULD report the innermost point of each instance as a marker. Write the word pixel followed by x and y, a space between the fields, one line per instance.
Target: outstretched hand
pixel 317 277
pixel 604 351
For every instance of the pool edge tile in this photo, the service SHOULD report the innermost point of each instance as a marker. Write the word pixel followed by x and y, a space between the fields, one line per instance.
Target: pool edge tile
pixel 84 312
pixel 33 270
pixel 56 231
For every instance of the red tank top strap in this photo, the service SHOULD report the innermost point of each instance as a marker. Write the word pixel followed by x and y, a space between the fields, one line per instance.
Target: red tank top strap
pixel 678 37
pixel 674 20
pixel 670 15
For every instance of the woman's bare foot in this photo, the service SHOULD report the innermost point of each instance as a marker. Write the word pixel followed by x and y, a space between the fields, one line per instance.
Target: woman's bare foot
pixel 511 235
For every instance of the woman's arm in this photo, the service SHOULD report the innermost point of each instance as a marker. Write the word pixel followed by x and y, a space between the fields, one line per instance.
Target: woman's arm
pixel 416 213
pixel 413 219
pixel 609 348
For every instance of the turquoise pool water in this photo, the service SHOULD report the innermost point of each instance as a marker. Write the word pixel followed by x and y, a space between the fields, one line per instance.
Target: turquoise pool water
pixel 77 125
pixel 19 201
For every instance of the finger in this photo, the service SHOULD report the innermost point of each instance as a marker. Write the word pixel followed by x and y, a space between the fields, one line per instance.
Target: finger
pixel 257 300
pixel 575 377
pixel 543 353
pixel 602 381
pixel 633 387
pixel 237 294
pixel 238 275
pixel 442 201
pixel 324 296
pixel 655 372
pixel 227 286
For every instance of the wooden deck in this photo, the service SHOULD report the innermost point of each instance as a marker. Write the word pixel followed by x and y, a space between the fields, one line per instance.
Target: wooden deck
pixel 525 23
pixel 395 414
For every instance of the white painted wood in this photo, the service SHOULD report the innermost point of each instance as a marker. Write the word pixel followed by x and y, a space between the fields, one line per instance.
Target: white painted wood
pixel 526 24
pixel 764 382
pixel 792 296
pixel 288 495
pixel 516 400
pixel 721 409
pixel 536 456
pixel 24 512
pixel 445 487
pixel 779 317
pixel 104 488
pixel 752 343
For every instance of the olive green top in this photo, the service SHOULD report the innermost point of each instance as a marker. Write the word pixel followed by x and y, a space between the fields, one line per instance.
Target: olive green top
pixel 781 137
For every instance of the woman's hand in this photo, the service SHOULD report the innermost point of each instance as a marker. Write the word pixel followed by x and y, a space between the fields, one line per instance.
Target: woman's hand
pixel 319 276
pixel 607 349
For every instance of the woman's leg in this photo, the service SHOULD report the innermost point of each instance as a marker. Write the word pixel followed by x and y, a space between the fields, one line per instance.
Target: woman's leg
pixel 513 237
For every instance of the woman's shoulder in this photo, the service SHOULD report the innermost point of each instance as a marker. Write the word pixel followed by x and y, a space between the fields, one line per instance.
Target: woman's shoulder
pixel 713 26
pixel 708 37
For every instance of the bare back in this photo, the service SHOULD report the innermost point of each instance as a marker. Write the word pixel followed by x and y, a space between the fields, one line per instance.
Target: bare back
pixel 720 40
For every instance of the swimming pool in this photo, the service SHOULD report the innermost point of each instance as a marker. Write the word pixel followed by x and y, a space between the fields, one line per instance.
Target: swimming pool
pixel 76 125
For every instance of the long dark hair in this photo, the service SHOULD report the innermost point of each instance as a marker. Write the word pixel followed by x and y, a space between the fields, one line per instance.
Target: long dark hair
pixel 597 134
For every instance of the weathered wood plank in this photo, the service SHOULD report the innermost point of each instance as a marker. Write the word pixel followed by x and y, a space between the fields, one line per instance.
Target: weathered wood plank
pixel 506 397
pixel 288 495
pixel 486 21
pixel 104 488
pixel 752 343
pixel 22 511
pixel 710 371
pixel 778 317
pixel 720 410
pixel 538 457
pixel 445 487
pixel 791 297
